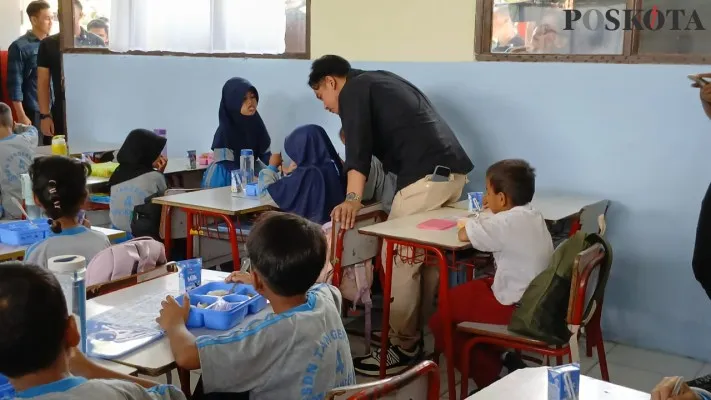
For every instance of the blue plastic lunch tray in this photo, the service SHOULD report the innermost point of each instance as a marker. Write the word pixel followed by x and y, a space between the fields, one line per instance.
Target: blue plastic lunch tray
pixel 22 233
pixel 244 300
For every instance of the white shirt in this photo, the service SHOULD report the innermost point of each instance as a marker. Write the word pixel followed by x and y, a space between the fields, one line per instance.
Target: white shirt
pixel 521 245
pixel 17 152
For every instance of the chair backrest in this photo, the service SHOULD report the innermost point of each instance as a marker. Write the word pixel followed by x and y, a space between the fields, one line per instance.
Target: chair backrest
pixel 411 384
pixel 353 246
pixel 587 270
pixel 125 259
pixel 112 286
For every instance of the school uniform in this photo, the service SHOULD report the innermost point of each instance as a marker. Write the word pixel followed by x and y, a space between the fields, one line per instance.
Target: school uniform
pixel 131 193
pixel 301 353
pixel 76 388
pixel 522 248
pixel 78 241
pixel 17 152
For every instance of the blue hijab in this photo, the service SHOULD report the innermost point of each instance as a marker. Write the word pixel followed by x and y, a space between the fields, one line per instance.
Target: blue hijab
pixel 236 131
pixel 317 185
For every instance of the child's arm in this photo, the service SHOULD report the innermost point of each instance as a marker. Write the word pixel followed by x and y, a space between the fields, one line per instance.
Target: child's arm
pixel 486 233
pixel 268 176
pixel 182 343
pixel 27 132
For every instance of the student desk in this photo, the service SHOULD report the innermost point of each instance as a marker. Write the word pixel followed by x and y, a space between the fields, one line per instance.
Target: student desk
pixel 120 368
pixel 217 203
pixel 404 232
pixel 532 384
pixel 175 166
pixel 156 358
pixel 557 207
pixel 8 252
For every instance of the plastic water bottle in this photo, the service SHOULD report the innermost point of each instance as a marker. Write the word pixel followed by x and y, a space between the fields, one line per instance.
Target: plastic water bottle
pixel 70 271
pixel 246 165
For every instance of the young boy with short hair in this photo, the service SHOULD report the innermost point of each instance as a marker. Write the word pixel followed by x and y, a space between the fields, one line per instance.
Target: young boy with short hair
pixel 38 340
pixel 522 247
pixel 17 151
pixel 300 350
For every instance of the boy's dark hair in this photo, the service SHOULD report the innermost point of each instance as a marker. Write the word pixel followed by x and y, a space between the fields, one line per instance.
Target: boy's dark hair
pixel 98 24
pixel 59 183
pixel 33 319
pixel 288 251
pixel 5 116
pixel 328 65
pixel 516 178
pixel 35 7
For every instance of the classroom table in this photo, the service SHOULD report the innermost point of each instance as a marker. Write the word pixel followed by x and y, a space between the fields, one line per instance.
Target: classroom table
pixel 532 384
pixel 176 165
pixel 404 232
pixel 217 203
pixel 8 252
pixel 560 206
pixel 116 367
pixel 156 358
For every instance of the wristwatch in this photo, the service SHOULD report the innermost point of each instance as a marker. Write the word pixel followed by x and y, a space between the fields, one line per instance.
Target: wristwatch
pixel 352 197
pixel 45 116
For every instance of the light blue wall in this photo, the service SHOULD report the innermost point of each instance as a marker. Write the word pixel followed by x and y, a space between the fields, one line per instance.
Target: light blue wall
pixel 635 134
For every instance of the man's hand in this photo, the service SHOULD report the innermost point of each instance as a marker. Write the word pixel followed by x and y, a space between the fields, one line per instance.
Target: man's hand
pixel 240 277
pixel 706 93
pixel 664 390
pixel 47 127
pixel 24 119
pixel 345 213
pixel 173 314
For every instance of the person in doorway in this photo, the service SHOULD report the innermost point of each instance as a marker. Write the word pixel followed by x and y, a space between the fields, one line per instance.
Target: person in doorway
pixel 384 115
pixel 99 28
pixel 49 69
pixel 503 31
pixel 22 64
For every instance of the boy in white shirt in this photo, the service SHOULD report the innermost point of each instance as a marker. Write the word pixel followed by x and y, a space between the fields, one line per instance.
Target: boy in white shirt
pixel 17 150
pixel 519 240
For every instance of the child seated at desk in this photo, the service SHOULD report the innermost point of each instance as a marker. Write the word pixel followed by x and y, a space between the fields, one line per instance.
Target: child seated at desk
pixel 17 150
pixel 315 183
pixel 522 247
pixel 138 177
pixel 299 351
pixel 59 188
pixel 38 340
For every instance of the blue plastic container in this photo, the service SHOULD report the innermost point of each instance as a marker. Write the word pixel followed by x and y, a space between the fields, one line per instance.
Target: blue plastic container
pixel 23 233
pixel 195 318
pixel 227 319
pixel 251 189
pixel 6 390
pixel 256 301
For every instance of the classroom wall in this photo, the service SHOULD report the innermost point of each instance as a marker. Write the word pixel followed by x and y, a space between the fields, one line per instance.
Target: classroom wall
pixel 10 21
pixel 634 134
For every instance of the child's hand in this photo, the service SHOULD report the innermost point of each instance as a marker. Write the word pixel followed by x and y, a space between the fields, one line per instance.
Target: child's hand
pixel 173 314
pixel 240 277
pixel 290 168
pixel 276 160
pixel 160 163
pixel 462 235
pixel 664 389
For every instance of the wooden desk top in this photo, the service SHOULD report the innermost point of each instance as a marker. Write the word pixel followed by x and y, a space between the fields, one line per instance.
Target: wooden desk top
pixel 405 228
pixel 217 200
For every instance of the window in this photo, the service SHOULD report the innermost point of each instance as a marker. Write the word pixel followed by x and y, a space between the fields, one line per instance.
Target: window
pixel 276 28
pixel 594 30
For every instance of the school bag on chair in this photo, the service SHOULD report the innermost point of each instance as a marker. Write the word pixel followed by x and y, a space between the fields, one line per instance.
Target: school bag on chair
pixel 543 307
pixel 125 259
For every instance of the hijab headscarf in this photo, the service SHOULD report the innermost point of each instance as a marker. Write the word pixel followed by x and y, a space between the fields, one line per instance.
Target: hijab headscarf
pixel 317 185
pixel 137 154
pixel 236 131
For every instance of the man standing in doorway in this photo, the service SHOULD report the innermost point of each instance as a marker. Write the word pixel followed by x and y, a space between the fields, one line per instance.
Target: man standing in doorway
pixel 386 116
pixel 49 69
pixel 22 64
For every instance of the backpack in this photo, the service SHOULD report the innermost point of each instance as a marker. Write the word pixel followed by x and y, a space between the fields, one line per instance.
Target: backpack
pixel 543 308
pixel 125 259
pixel 146 218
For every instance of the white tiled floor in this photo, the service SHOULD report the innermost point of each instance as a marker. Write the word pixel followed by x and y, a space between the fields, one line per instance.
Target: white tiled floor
pixel 628 366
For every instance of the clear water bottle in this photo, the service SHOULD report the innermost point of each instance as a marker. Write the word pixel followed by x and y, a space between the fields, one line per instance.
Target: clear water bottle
pixel 246 165
pixel 70 271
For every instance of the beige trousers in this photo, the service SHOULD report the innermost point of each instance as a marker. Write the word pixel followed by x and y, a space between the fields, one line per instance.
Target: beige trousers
pixel 414 289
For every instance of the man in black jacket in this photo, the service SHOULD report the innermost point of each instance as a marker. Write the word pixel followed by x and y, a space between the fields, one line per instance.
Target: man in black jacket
pixel 702 248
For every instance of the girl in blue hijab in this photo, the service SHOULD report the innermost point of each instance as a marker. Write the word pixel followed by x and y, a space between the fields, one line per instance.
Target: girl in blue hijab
pixel 316 185
pixel 240 128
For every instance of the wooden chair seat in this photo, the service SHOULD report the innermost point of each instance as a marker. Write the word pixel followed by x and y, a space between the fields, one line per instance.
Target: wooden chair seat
pixel 497 331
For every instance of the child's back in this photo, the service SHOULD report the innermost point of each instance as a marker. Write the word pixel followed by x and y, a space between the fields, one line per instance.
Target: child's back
pixel 16 154
pixel 131 193
pixel 300 352
pixel 77 388
pixel 79 241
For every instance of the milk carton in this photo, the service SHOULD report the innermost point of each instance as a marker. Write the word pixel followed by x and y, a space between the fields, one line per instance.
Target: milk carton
pixel 189 274
pixel 564 382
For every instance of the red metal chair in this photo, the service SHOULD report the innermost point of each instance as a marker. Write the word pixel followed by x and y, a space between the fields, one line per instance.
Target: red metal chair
pixel 422 379
pixel 585 301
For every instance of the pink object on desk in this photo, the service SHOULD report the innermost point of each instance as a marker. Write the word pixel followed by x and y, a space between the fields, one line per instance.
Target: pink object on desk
pixel 437 224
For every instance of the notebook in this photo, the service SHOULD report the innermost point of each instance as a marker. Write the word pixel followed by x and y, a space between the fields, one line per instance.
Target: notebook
pixel 437 224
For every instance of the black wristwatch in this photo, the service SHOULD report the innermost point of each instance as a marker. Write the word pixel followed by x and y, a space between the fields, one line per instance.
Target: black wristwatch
pixel 45 116
pixel 352 197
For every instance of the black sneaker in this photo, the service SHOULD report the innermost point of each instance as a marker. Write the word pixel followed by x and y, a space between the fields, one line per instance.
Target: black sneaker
pixel 398 360
pixel 512 361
